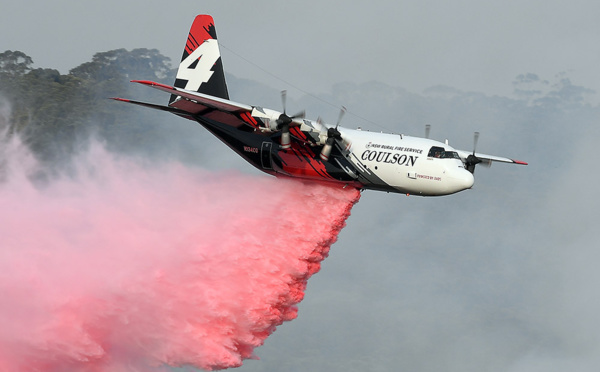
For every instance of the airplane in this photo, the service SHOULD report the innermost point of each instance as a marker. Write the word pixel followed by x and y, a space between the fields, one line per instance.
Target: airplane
pixel 292 146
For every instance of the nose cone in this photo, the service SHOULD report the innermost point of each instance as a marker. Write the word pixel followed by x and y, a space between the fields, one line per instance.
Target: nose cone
pixel 462 179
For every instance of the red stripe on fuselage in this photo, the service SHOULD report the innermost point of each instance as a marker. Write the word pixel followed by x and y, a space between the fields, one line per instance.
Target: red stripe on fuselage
pixel 299 161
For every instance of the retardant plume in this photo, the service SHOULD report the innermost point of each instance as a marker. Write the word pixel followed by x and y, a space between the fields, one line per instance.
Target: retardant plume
pixel 127 267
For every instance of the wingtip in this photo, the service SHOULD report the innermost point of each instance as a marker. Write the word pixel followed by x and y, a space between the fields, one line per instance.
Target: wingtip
pixel 520 162
pixel 120 99
pixel 153 84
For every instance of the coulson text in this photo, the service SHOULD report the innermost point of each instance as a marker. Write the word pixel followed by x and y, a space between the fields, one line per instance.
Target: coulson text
pixel 388 157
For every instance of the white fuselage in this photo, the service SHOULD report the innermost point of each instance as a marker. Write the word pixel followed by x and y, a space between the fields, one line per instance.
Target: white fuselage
pixel 406 164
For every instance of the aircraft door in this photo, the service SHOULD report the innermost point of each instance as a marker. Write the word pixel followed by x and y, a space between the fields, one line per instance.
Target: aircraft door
pixel 265 155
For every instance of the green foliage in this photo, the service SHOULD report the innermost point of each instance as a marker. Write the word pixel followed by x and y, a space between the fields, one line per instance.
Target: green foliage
pixel 138 63
pixel 14 64
pixel 54 112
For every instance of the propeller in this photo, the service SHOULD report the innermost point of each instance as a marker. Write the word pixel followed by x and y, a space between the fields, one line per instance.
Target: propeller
pixel 473 160
pixel 427 130
pixel 284 121
pixel 332 135
pixel 342 113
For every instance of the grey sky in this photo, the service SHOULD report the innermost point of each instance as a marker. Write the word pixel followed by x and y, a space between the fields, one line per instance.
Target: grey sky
pixel 467 44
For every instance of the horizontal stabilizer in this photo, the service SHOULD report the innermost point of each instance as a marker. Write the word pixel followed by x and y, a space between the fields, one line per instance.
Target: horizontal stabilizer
pixel 157 107
pixel 195 97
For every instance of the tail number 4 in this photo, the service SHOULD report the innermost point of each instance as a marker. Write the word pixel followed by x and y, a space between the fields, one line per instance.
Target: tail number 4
pixel 196 68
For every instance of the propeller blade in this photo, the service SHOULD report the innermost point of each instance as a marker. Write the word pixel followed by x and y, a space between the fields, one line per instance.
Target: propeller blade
pixel 299 115
pixel 342 112
pixel 333 134
pixel 283 99
pixel 473 160
pixel 427 130
pixel 475 139
pixel 284 119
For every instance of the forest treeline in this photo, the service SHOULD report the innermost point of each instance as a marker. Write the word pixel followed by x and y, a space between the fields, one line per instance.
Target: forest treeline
pixel 55 112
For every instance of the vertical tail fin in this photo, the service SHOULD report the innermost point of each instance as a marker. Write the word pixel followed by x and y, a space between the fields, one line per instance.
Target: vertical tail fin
pixel 201 69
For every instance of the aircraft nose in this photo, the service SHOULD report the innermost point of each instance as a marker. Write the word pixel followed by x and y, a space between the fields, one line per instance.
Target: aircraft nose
pixel 465 179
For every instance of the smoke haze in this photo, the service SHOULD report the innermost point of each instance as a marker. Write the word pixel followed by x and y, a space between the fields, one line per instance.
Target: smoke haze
pixel 121 266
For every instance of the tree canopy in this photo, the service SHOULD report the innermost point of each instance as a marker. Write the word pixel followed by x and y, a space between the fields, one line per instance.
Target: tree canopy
pixel 52 111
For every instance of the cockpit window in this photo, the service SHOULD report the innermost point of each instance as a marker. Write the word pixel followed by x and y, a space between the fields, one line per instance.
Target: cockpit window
pixel 450 155
pixel 440 152
pixel 435 152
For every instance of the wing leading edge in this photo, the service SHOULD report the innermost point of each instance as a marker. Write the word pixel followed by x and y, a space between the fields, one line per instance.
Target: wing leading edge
pixel 488 159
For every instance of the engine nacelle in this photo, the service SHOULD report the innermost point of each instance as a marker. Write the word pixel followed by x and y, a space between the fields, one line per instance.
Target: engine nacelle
pixel 268 118
pixel 286 140
pixel 345 144
pixel 326 151
pixel 320 132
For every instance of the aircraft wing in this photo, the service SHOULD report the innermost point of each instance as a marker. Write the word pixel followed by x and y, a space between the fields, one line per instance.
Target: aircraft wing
pixel 488 159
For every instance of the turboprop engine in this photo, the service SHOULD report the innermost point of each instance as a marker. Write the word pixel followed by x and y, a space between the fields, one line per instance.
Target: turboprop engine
pixel 276 121
pixel 328 136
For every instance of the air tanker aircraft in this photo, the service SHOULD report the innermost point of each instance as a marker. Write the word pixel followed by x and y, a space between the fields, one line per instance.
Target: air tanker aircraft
pixel 292 146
